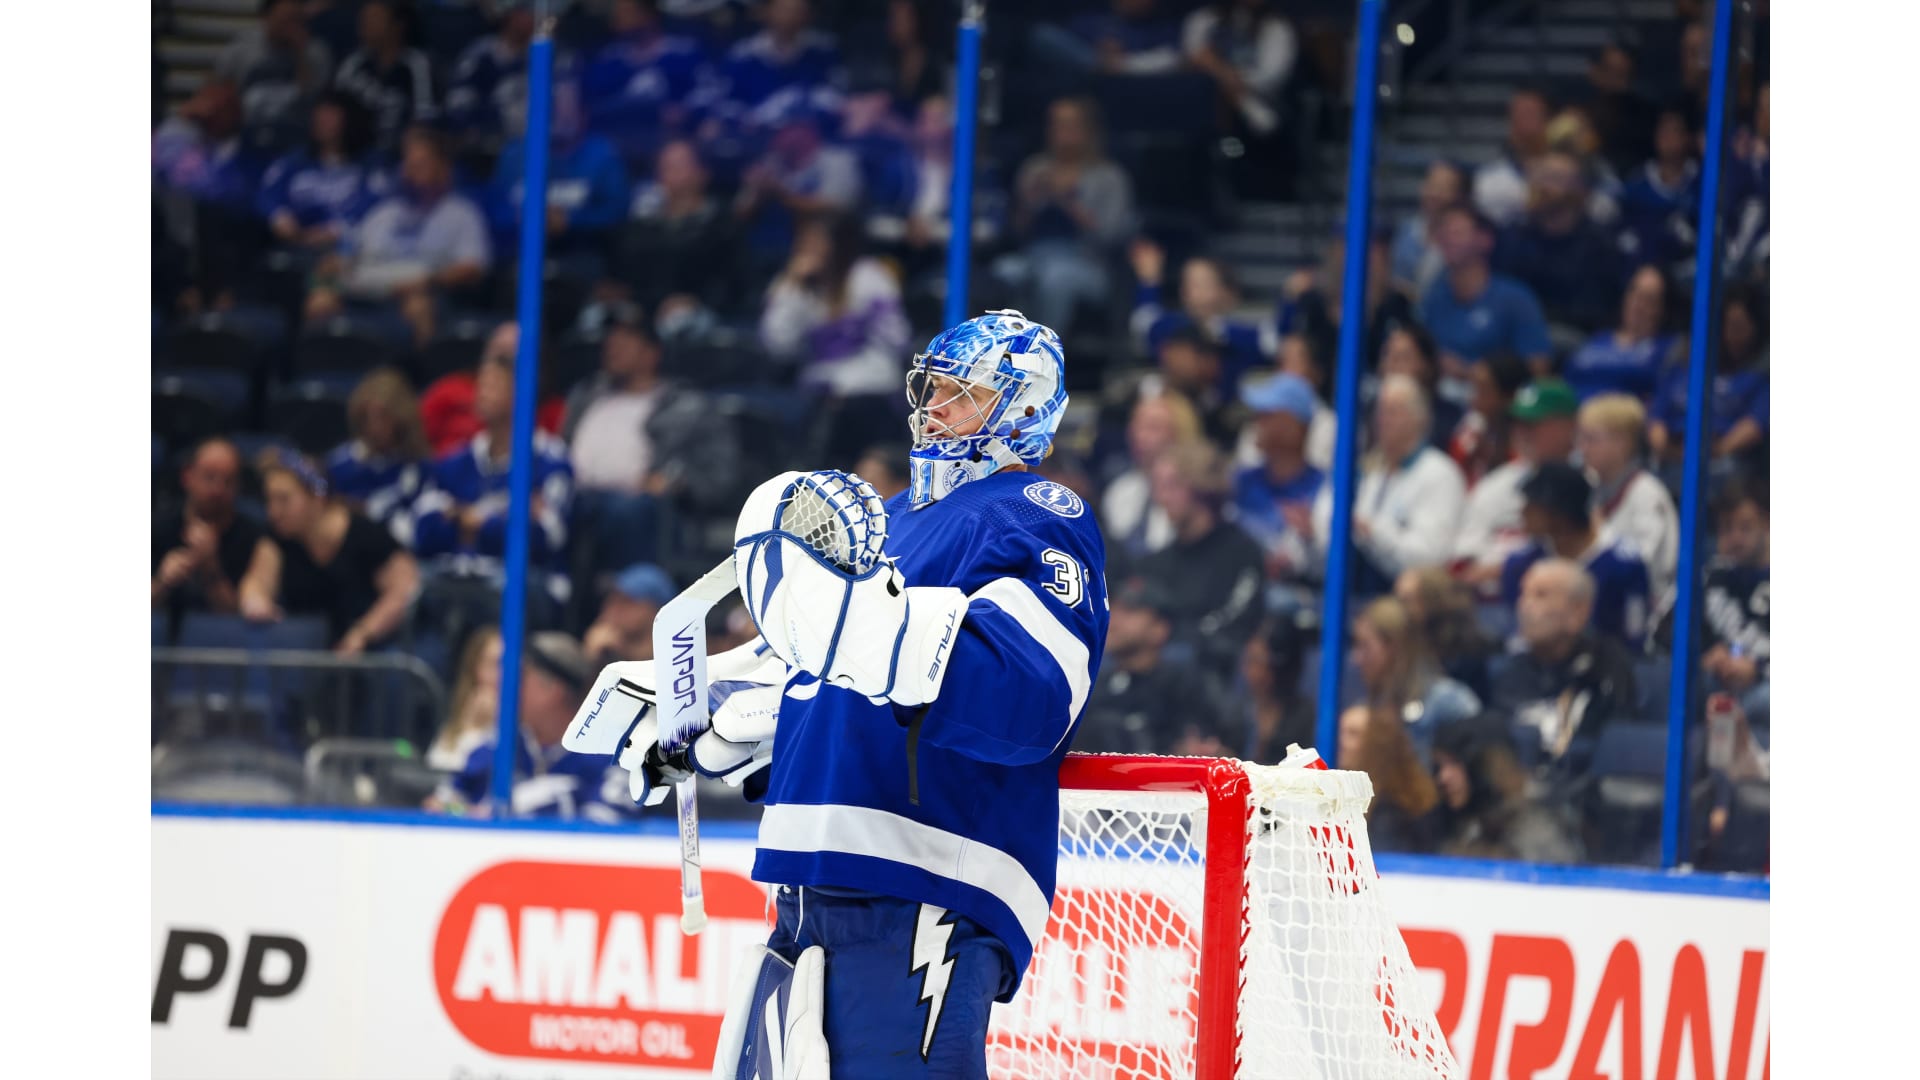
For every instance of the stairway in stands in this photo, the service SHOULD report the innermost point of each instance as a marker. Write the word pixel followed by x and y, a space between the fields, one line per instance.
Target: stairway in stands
pixel 188 36
pixel 1455 107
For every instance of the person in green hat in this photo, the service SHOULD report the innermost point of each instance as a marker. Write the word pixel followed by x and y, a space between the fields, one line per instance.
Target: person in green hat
pixel 1544 428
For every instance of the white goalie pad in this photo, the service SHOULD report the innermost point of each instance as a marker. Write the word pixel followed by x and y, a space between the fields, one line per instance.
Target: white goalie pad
pixel 772 1030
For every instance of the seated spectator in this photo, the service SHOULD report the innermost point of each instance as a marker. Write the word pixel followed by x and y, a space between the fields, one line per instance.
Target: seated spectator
pixel 1658 210
pixel 1273 501
pixel 1630 358
pixel 1739 655
pixel 1738 413
pixel 1072 207
pixel 587 189
pixel 1143 703
pixel 1570 262
pixel 1559 517
pixel 1500 188
pixel 1441 608
pixel 1563 681
pixel 1416 255
pixel 837 314
pixel 474 715
pixel 447 406
pixel 636 439
pixel 1572 132
pixel 636 88
pixel 1189 362
pixel 1277 713
pixel 1312 299
pixel 1473 311
pixel 1310 356
pixel 1483 439
pixel 880 465
pixel 624 628
pixel 205 180
pixel 460 521
pixel 1633 504
pixel 1749 183
pixel 766 74
pixel 1401 679
pixel 801 175
pixel 1208 301
pixel 1402 815
pixel 677 243
pixel 487 97
pixel 392 81
pixel 206 548
pixel 312 196
pixel 1485 811
pixel 412 249
pixel 1249 51
pixel 279 68
pixel 1211 571
pixel 1621 117
pixel 1409 350
pixel 1130 38
pixel 331 561
pixel 910 66
pixel 549 780
pixel 1407 503
pixel 928 165
pixel 382 466
pixel 1135 526
pixel 1491 526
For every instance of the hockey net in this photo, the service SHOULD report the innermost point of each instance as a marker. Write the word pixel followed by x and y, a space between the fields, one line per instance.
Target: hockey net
pixel 1219 920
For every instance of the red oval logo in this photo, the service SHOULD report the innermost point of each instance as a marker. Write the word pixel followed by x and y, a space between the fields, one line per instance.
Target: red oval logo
pixel 587 962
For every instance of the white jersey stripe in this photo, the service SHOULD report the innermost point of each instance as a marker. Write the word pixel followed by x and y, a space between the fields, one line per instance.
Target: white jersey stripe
pixel 859 830
pixel 1017 599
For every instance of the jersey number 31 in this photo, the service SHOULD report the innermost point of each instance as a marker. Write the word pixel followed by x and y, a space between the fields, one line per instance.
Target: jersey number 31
pixel 1069 581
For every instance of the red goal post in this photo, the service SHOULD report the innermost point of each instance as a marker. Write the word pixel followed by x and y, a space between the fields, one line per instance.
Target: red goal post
pixel 1220 920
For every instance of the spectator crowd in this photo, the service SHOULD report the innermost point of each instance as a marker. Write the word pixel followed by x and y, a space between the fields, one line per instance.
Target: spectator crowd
pixel 746 221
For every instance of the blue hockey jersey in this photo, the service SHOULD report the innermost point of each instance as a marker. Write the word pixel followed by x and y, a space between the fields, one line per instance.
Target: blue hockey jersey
pixel 384 487
pixel 966 816
pixel 468 477
pixel 1621 605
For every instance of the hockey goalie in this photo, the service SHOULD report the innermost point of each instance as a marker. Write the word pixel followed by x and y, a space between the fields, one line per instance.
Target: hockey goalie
pixel 923 707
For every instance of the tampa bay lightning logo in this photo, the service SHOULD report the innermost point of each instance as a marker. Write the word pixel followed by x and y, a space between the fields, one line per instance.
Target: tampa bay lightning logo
pixel 1056 497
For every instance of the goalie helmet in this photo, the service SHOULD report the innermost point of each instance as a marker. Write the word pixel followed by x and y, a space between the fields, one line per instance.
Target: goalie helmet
pixel 1023 364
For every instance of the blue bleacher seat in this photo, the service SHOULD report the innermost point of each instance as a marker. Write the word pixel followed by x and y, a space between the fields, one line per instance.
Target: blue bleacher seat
pixel 347 345
pixel 184 413
pixel 311 413
pixel 277 695
pixel 1624 802
pixel 456 347
pixel 225 340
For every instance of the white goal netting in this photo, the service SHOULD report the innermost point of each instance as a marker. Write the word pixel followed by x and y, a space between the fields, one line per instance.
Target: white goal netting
pixel 1307 976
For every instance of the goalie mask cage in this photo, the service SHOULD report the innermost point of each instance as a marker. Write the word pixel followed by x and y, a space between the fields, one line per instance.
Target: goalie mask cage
pixel 1217 920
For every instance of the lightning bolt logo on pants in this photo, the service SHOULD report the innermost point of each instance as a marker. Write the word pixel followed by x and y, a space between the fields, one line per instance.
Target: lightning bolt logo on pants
pixel 930 936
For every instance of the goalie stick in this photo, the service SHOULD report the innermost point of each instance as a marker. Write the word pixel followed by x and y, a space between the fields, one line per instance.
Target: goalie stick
pixel 680 678
pixel 837 515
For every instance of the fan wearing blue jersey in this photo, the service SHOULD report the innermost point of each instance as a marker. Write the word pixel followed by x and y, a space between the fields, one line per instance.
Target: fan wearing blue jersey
pixel 923 710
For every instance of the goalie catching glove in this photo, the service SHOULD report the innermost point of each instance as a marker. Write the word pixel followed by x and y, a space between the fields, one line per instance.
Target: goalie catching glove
pixel 807 551
pixel 744 688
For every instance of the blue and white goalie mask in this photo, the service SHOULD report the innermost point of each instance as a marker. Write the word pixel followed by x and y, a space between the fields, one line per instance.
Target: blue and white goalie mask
pixel 986 394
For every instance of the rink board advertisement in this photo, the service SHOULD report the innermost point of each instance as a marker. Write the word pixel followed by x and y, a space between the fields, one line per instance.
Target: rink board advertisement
pixel 288 948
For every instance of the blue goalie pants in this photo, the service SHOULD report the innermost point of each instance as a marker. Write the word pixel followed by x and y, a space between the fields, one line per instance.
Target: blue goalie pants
pixel 909 987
